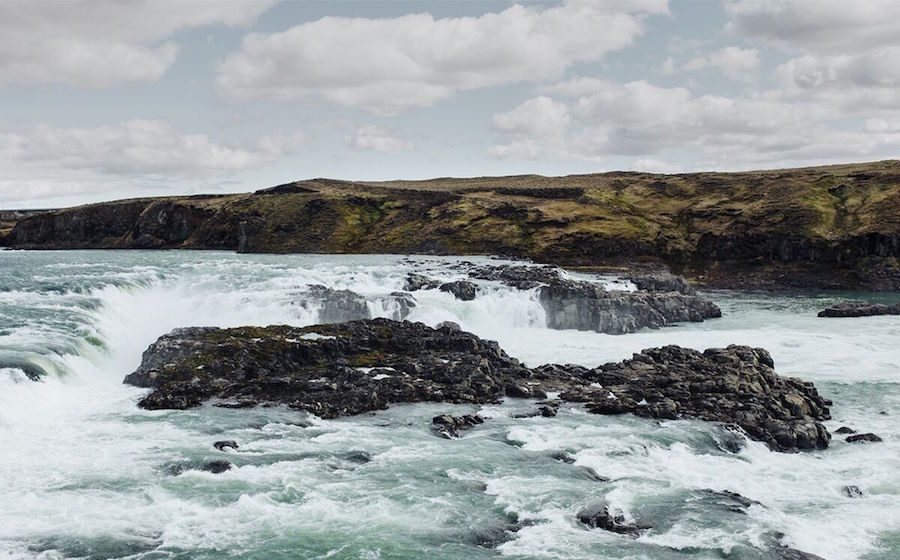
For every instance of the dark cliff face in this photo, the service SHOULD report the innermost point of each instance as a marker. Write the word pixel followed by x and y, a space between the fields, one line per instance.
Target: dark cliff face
pixel 829 227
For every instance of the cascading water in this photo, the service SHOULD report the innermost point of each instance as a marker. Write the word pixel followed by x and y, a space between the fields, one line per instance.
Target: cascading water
pixel 84 473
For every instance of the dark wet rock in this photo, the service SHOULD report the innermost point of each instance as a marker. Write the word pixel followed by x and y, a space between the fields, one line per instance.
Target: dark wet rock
pixel 351 368
pixel 863 438
pixel 662 282
pixel 787 553
pixel 548 411
pixel 360 457
pixel 223 445
pixel 845 430
pixel 337 306
pixel 852 491
pixel 450 426
pixel 461 289
pixel 216 467
pixel 492 533
pixel 600 515
pixel 734 385
pixel 419 282
pixel 562 457
pixel 588 306
pixel 860 310
pixel 731 440
pixel 450 325
pixel 730 500
pixel 516 391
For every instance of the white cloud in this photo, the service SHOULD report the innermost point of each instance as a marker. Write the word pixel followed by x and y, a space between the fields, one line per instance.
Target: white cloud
pixel 138 147
pixel 641 120
pixel 377 139
pixel 878 68
pixel 734 62
pixel 389 65
pixel 539 116
pixel 102 43
pixel 821 26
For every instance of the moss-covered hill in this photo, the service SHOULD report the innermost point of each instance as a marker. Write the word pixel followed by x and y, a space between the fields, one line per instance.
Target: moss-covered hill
pixel 835 226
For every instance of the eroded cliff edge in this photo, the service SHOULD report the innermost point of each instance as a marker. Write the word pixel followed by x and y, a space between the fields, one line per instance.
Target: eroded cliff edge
pixel 823 227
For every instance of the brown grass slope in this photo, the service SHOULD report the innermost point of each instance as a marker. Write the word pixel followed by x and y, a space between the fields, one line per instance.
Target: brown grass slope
pixel 834 226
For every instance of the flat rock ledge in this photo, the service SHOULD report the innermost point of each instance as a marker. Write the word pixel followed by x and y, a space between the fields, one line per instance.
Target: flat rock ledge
pixel 860 310
pixel 351 368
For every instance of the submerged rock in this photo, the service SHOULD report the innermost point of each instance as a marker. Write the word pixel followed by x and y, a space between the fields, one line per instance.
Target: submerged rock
pixel 461 289
pixel 223 445
pixel 860 310
pixel 349 368
pixel 600 515
pixel 216 467
pixel 863 438
pixel 852 491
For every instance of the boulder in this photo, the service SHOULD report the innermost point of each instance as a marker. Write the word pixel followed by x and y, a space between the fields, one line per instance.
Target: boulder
pixel 845 430
pixel 588 306
pixel 461 289
pixel 216 467
pixel 223 445
pixel 852 491
pixel 860 310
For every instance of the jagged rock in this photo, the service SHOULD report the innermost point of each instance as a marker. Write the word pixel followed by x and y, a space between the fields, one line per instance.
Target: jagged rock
pixel 419 282
pixel 860 310
pixel 599 515
pixel 662 282
pixel 450 426
pixel 337 306
pixel 852 491
pixel 845 430
pixel 734 385
pixel 349 368
pixel 360 457
pixel 562 457
pixel 223 445
pixel 450 325
pixel 461 289
pixel 863 438
pixel 587 306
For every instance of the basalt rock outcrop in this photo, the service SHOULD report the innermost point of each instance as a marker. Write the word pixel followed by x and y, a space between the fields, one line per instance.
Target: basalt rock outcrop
pixel 662 299
pixel 461 289
pixel 860 310
pixel 350 368
pixel 734 385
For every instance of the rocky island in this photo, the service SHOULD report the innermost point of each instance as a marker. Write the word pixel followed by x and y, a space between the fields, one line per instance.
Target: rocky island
pixel 350 368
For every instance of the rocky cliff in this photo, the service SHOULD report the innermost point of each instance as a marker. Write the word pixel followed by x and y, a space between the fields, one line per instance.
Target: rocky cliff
pixel 825 227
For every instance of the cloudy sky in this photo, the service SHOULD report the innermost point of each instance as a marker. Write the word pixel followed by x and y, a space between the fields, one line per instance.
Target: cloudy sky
pixel 103 100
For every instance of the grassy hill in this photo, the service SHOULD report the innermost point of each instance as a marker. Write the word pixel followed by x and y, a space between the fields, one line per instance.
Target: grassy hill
pixel 834 226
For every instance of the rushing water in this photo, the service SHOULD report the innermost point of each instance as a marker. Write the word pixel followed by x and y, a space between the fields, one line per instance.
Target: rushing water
pixel 84 473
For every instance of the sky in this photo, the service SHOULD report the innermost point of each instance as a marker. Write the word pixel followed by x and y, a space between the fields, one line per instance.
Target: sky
pixel 107 100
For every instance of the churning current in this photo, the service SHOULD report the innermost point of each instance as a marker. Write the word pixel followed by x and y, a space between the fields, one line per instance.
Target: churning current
pixel 85 473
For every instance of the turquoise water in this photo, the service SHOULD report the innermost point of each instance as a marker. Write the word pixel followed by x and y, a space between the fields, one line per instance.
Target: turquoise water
pixel 84 473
